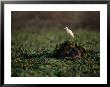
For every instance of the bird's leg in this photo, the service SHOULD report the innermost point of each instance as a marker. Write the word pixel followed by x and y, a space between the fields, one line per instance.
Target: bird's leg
pixel 67 37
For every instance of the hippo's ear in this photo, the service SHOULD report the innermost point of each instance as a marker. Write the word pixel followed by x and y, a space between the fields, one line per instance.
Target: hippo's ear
pixel 76 45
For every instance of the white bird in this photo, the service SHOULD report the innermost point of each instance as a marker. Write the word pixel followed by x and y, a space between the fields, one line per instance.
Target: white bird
pixel 69 32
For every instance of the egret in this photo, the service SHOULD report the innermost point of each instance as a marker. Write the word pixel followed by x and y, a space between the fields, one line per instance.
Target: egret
pixel 69 32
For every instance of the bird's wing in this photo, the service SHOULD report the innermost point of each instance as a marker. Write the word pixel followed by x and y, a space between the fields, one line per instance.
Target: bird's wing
pixel 71 32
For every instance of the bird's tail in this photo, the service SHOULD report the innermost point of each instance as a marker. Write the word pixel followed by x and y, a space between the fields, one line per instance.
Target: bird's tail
pixel 73 36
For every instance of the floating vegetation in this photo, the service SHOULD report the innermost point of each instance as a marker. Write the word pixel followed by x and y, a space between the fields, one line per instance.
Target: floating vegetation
pixel 47 54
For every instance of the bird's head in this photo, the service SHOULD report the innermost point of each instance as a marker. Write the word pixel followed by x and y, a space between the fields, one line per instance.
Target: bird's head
pixel 66 28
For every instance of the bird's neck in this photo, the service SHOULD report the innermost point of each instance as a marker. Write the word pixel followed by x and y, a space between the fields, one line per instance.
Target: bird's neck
pixel 67 29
